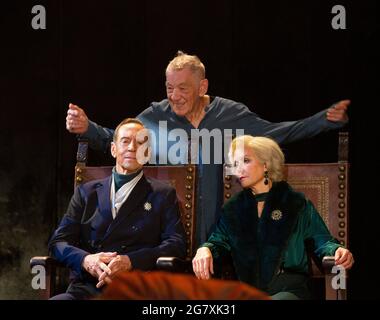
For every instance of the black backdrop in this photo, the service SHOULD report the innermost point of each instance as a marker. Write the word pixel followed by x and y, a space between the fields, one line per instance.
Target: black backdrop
pixel 281 58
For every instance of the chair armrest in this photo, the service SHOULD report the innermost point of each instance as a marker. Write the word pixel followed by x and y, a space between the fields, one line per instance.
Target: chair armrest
pixel 331 293
pixel 45 261
pixel 50 265
pixel 327 263
pixel 174 264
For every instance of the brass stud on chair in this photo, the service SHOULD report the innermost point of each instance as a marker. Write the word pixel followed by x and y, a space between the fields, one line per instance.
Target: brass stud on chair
pixel 342 224
pixel 189 187
pixel 189 177
pixel 79 179
pixel 342 242
pixel 79 170
pixel 227 185
pixel 188 196
pixel 341 214
pixel 341 186
pixel 341 195
pixel 228 178
pixel 342 176
pixel 190 169
pixel 188 205
pixel 188 233
pixel 188 224
pixel 342 168
pixel 342 205
pixel 228 195
pixel 341 234
pixel 188 216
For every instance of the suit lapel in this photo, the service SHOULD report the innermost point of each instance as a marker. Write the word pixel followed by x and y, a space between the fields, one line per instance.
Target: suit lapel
pixel 135 199
pixel 103 192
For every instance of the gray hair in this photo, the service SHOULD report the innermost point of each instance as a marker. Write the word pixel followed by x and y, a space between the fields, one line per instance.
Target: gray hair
pixel 183 60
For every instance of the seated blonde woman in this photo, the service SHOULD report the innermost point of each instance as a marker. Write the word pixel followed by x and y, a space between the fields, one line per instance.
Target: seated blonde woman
pixel 265 226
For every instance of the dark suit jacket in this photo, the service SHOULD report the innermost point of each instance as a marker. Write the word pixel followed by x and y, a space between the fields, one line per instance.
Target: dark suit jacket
pixel 146 227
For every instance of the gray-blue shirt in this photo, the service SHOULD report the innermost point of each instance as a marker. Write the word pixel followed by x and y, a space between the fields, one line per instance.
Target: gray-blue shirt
pixel 227 116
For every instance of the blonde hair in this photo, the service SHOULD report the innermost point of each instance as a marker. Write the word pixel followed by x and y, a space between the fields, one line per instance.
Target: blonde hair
pixel 183 60
pixel 266 151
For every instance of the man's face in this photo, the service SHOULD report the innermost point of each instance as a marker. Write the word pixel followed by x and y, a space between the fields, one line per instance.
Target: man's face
pixel 184 89
pixel 125 148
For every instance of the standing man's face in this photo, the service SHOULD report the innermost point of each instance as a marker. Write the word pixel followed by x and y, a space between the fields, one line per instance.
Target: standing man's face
pixel 184 90
pixel 124 149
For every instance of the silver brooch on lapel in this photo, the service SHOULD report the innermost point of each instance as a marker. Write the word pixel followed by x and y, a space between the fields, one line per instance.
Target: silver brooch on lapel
pixel 147 206
pixel 276 215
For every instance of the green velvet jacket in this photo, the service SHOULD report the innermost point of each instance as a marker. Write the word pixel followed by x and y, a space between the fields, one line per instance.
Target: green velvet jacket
pixel 261 247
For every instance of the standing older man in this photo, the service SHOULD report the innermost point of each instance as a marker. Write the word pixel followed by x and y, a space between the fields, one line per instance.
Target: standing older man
pixel 189 108
pixel 123 222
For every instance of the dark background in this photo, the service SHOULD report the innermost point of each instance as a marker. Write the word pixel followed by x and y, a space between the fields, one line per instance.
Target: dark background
pixel 281 58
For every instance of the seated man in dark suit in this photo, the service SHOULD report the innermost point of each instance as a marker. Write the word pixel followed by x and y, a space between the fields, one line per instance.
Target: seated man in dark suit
pixel 123 222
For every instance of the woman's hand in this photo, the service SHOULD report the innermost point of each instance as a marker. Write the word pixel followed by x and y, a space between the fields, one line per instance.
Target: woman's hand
pixel 203 263
pixel 344 258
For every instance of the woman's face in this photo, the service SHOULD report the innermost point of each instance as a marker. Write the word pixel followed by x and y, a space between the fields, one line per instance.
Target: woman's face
pixel 248 168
